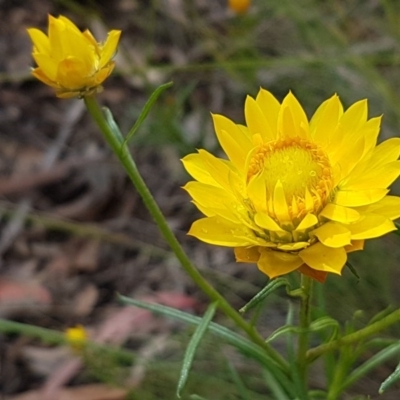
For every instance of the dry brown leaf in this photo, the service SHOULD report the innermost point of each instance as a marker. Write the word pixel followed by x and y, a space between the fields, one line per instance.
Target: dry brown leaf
pixel 87 257
pixel 84 392
pixel 85 300
pixel 15 296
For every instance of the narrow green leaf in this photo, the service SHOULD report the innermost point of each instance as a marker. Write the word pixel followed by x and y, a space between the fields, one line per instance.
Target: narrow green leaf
pixel 244 345
pixel 323 323
pixel 197 397
pixel 113 125
pixel 237 380
pixel 193 345
pixel 281 331
pixel 275 387
pixel 373 362
pixel 392 378
pixel 317 325
pixel 265 292
pixel 353 270
pixel 146 109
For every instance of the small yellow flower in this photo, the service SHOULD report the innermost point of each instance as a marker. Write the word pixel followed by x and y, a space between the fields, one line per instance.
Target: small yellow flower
pixel 239 6
pixel 76 337
pixel 72 61
pixel 295 194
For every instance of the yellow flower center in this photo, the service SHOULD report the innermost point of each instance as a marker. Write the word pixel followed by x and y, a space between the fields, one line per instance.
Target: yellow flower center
pixel 301 169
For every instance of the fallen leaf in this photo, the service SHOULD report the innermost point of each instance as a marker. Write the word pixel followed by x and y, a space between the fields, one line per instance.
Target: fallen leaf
pixel 84 392
pixel 16 296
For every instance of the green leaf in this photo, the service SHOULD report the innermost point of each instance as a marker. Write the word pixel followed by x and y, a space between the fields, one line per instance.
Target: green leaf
pixel 146 109
pixel 113 125
pixel 264 293
pixel 373 362
pixel 323 323
pixel 244 345
pixel 197 397
pixel 193 345
pixel 353 270
pixel 317 325
pixel 237 380
pixel 392 378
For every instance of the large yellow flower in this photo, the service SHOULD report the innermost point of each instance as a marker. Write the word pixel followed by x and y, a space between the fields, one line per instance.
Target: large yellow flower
pixel 295 194
pixel 72 61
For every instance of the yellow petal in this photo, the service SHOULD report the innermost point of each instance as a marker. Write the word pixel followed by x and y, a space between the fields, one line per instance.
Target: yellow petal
pixel 103 74
pixel 292 120
pixel 275 263
pixel 269 106
pixel 354 117
pixel 307 222
pixel 256 121
pixel 218 231
pixel 257 193
pixel 68 24
pixel 323 258
pixel 325 120
pixel 40 41
pixel 356 198
pixel 371 226
pixel 281 209
pixel 338 213
pixel 293 246
pixel 47 65
pixel 110 47
pixel 232 139
pixel 208 195
pixel 332 234
pixel 380 177
pixel 388 207
pixel 355 245
pixel 71 73
pixel 195 166
pixel 347 155
pixel 39 74
pixel 219 169
pixel 266 222
pixel 247 254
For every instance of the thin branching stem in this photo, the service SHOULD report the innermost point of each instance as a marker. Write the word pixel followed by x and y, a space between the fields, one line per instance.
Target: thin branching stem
pixel 121 150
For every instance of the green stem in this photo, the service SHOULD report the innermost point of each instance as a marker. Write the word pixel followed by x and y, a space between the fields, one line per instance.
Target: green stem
pixel 122 152
pixel 355 337
pixel 304 323
pixel 51 336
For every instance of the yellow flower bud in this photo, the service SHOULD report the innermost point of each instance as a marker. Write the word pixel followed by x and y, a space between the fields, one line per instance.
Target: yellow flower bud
pixel 76 337
pixel 239 6
pixel 71 61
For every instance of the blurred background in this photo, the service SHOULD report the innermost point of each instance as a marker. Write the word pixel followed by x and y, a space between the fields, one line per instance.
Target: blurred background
pixel 73 231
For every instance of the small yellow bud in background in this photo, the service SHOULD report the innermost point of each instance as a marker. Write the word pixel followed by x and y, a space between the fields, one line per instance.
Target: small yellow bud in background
pixel 239 6
pixel 76 337
pixel 71 61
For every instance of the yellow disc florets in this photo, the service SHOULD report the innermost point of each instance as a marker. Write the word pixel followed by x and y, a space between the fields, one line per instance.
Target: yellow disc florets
pixel 301 167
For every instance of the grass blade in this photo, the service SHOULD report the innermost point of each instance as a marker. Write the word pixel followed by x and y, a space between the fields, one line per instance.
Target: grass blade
pixel 245 346
pixel 146 109
pixel 193 345
pixel 392 378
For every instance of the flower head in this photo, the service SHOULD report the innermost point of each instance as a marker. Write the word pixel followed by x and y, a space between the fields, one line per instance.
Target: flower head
pixel 76 337
pixel 72 61
pixel 239 6
pixel 295 194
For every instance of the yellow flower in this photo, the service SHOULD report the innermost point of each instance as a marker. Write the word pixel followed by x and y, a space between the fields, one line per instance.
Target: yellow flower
pixel 295 194
pixel 76 337
pixel 239 6
pixel 72 61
